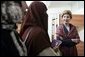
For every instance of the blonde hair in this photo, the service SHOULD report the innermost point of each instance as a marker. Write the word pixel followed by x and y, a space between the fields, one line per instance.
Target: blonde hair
pixel 67 12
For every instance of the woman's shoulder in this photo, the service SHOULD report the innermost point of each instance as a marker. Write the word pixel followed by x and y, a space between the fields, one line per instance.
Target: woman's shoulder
pixel 38 30
pixel 37 33
pixel 72 25
pixel 60 26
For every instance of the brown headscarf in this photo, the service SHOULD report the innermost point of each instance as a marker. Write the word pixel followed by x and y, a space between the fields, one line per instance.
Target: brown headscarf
pixel 36 16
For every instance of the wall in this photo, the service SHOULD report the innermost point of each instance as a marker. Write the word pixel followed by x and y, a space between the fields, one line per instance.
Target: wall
pixel 81 34
pixel 78 7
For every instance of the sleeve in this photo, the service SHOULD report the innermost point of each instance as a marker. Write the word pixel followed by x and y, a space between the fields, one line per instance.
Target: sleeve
pixel 65 41
pixel 77 35
pixel 59 31
pixel 68 43
pixel 48 52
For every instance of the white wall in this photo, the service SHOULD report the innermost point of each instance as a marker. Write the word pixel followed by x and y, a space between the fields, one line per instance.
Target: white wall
pixel 78 7
pixel 81 34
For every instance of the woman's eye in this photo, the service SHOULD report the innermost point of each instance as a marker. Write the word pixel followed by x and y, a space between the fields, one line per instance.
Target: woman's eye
pixel 68 17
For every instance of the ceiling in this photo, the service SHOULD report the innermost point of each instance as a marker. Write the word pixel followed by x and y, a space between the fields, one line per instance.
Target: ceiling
pixel 56 3
pixel 59 3
pixel 71 5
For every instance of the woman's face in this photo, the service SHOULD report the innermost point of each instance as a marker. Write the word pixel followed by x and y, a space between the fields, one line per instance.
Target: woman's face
pixel 66 18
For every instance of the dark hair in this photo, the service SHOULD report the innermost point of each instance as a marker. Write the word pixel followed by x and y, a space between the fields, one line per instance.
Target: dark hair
pixel 67 12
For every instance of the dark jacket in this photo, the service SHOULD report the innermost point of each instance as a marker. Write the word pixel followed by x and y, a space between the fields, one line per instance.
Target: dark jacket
pixel 8 48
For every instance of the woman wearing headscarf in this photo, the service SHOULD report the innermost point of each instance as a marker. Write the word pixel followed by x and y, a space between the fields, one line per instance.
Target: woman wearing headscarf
pixel 10 41
pixel 36 23
pixel 68 34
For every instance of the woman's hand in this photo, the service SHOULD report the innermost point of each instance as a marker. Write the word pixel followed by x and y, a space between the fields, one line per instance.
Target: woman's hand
pixel 58 42
pixel 75 40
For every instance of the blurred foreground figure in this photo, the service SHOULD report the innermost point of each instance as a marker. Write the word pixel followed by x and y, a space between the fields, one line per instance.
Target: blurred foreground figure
pixel 10 41
pixel 34 31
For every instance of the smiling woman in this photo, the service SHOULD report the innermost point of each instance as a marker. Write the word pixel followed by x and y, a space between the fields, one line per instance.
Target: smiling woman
pixel 68 34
